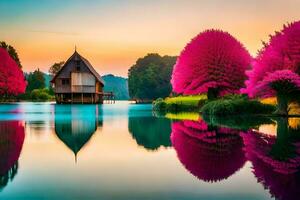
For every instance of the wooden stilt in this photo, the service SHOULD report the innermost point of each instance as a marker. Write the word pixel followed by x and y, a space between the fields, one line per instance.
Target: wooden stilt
pixel 81 98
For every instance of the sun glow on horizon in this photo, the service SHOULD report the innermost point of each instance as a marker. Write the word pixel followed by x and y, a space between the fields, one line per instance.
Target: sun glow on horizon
pixel 112 35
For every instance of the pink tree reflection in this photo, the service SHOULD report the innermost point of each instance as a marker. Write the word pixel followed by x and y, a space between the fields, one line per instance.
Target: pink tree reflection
pixel 12 135
pixel 210 154
pixel 275 160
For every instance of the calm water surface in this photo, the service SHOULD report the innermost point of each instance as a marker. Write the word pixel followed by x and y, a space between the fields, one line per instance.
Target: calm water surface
pixel 122 151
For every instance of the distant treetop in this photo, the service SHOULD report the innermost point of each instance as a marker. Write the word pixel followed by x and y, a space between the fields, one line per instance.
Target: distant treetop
pixel 150 77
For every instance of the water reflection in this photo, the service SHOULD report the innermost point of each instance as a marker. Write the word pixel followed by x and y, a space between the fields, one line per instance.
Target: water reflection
pixel 75 124
pixel 214 149
pixel 243 122
pixel 209 153
pixel 150 132
pixel 12 135
pixel 276 159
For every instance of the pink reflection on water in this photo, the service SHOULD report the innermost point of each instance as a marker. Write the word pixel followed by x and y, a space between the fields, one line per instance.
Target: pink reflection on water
pixel 280 177
pixel 12 135
pixel 209 153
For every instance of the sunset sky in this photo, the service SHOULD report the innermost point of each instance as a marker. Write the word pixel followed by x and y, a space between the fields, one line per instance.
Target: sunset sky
pixel 113 34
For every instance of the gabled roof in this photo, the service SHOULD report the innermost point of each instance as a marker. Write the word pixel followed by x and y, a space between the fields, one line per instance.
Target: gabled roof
pixel 77 56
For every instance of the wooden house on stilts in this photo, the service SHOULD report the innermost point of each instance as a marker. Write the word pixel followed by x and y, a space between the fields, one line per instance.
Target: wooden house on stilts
pixel 78 82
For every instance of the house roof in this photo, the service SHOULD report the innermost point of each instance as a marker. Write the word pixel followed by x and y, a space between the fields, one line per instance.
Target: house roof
pixel 77 56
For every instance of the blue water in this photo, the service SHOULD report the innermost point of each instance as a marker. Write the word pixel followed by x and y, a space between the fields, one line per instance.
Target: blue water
pixel 125 151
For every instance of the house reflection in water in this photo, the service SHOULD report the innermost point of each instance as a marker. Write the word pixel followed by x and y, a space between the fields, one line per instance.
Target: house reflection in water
pixel 75 124
pixel 12 135
pixel 210 153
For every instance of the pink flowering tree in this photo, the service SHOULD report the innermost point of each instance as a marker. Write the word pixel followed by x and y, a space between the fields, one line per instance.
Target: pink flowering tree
pixel 277 67
pixel 12 81
pixel 214 62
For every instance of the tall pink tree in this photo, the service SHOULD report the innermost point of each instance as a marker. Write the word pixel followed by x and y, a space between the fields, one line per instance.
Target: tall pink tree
pixel 214 62
pixel 277 67
pixel 12 81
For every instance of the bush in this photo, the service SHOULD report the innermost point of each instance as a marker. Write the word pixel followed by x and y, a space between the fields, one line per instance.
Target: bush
pixel 159 105
pixel 40 95
pixel 236 105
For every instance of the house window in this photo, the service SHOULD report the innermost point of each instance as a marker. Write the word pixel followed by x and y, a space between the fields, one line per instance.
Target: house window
pixel 65 81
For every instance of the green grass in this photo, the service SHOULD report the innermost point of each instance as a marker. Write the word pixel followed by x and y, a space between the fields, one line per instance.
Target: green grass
pixel 179 103
pixel 186 100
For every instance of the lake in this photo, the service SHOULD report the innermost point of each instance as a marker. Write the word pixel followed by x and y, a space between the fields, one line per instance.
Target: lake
pixel 124 151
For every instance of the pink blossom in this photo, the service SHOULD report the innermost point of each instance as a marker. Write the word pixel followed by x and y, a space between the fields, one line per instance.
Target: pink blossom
pixel 213 59
pixel 12 81
pixel 279 80
pixel 281 53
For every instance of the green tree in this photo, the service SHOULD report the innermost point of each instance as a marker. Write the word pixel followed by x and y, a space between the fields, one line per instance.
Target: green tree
pixel 12 52
pixel 55 68
pixel 150 77
pixel 35 80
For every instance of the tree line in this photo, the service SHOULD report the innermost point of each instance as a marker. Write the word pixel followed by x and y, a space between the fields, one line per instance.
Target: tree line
pixel 17 85
pixel 149 78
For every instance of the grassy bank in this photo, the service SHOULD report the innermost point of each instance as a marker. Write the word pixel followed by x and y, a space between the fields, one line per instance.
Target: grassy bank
pixel 228 105
pixel 179 103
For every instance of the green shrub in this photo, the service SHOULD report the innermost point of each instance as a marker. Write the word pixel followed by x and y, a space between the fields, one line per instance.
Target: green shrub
pixel 236 105
pixel 159 105
pixel 40 95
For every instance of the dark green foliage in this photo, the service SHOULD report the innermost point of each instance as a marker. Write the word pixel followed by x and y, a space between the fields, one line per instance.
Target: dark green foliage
pixel 159 105
pixel 38 87
pixel 40 95
pixel 35 80
pixel 150 77
pixel 212 93
pixel 117 85
pixel 235 105
pixel 241 122
pixel 12 52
